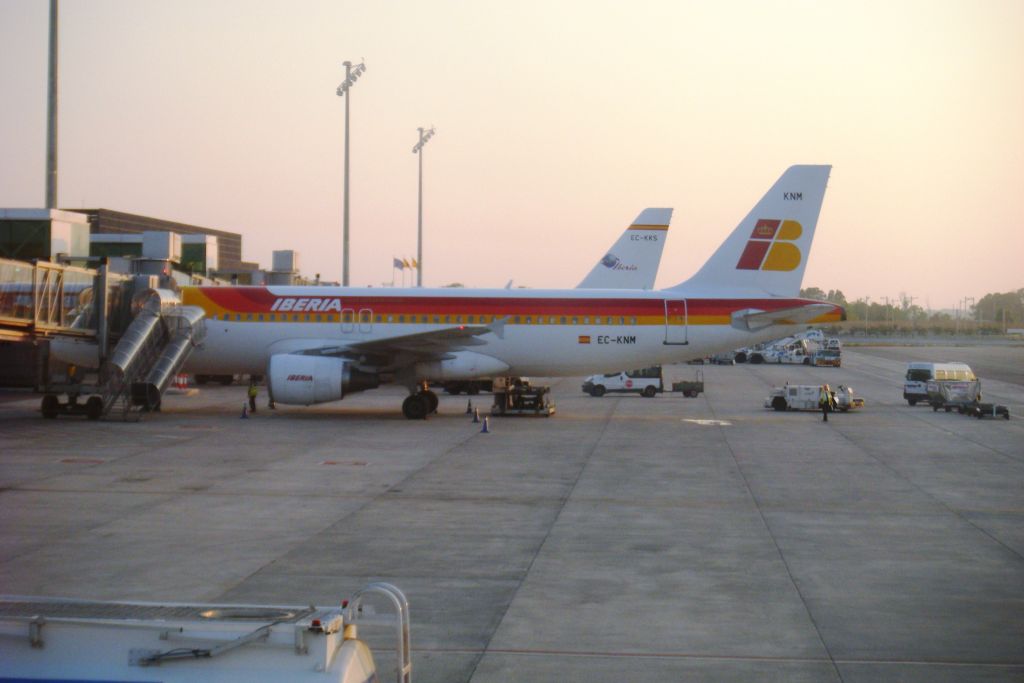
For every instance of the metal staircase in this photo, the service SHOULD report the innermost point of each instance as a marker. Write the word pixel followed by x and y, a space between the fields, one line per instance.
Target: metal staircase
pixel 152 349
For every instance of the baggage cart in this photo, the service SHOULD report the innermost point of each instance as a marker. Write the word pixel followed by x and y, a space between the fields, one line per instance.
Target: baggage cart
pixel 980 410
pixel 691 388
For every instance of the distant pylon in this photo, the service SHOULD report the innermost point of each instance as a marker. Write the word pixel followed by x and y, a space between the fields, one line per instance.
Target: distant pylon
pixel 476 416
pixel 487 426
pixel 245 411
pixel 469 407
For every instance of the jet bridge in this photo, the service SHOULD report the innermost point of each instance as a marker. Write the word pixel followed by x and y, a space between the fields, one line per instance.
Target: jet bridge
pixel 132 337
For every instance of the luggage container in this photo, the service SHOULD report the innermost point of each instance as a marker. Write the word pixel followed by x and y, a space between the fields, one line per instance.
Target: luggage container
pixel 950 394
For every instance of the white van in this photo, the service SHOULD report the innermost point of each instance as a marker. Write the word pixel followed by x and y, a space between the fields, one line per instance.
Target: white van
pixel 915 386
pixel 646 381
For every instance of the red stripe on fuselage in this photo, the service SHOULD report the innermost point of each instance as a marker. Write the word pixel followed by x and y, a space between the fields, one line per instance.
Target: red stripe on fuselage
pixel 261 300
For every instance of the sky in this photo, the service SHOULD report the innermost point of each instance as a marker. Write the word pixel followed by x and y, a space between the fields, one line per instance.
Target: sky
pixel 557 122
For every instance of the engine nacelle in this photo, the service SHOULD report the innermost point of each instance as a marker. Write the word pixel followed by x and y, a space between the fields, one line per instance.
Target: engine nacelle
pixel 303 380
pixel 465 365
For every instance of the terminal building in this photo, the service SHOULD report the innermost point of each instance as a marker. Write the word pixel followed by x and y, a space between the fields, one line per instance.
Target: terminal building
pixel 132 243
pixel 50 271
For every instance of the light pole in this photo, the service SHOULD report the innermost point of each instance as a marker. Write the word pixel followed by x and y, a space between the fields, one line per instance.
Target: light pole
pixel 51 112
pixel 425 135
pixel 352 74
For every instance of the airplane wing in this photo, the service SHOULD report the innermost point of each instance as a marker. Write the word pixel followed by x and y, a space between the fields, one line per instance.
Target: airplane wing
pixel 387 354
pixel 756 319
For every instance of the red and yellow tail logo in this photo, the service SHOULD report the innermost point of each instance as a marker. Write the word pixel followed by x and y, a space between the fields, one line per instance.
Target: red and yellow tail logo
pixel 771 247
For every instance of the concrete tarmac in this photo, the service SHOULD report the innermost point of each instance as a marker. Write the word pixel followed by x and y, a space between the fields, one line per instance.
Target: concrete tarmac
pixel 625 538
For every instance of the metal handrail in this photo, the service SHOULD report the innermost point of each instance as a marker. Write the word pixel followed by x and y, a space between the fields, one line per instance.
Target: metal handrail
pixel 354 615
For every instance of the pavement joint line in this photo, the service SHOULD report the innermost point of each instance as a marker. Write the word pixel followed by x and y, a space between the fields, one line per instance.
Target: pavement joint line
pixel 122 458
pixel 921 418
pixel 789 572
pixel 613 405
pixel 367 502
pixel 528 652
pixel 927 494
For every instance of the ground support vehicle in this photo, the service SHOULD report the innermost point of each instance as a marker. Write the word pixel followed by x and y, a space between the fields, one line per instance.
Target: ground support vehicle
pixel 691 388
pixel 980 410
pixel 919 374
pixel 826 358
pixel 791 350
pixel 645 381
pixel 513 397
pixel 728 358
pixel 959 394
pixel 64 639
pixel 806 397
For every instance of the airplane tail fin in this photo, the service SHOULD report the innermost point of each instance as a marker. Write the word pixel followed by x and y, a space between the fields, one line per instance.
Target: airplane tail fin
pixel 632 262
pixel 768 250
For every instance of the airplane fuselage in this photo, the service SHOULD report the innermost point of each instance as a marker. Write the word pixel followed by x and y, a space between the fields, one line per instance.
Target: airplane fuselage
pixel 537 332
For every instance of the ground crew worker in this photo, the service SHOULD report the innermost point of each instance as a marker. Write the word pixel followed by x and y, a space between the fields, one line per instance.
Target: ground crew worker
pixel 253 391
pixel 825 401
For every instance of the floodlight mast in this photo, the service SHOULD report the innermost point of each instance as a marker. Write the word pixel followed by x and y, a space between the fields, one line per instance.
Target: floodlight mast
pixel 351 75
pixel 51 111
pixel 425 136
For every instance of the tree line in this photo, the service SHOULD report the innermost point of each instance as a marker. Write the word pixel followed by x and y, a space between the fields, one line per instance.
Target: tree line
pixel 991 314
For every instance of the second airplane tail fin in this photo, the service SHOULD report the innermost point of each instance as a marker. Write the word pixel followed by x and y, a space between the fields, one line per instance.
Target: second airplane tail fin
pixel 768 251
pixel 632 262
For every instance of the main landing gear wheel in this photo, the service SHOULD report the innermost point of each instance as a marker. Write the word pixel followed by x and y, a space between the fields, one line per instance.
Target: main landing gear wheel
pixel 50 406
pixel 94 408
pixel 432 401
pixel 416 407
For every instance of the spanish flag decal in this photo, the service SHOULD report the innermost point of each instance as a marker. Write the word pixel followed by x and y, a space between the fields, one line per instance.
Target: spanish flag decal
pixel 584 339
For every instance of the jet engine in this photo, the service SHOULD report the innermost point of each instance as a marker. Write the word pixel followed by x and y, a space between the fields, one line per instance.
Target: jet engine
pixel 302 380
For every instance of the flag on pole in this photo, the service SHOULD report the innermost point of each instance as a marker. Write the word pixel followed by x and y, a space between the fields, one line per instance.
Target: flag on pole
pixel 406 263
pixel 398 263
pixel 414 264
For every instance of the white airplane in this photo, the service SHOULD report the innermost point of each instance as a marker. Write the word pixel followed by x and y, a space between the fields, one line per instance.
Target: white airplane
pixel 318 344
pixel 632 262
